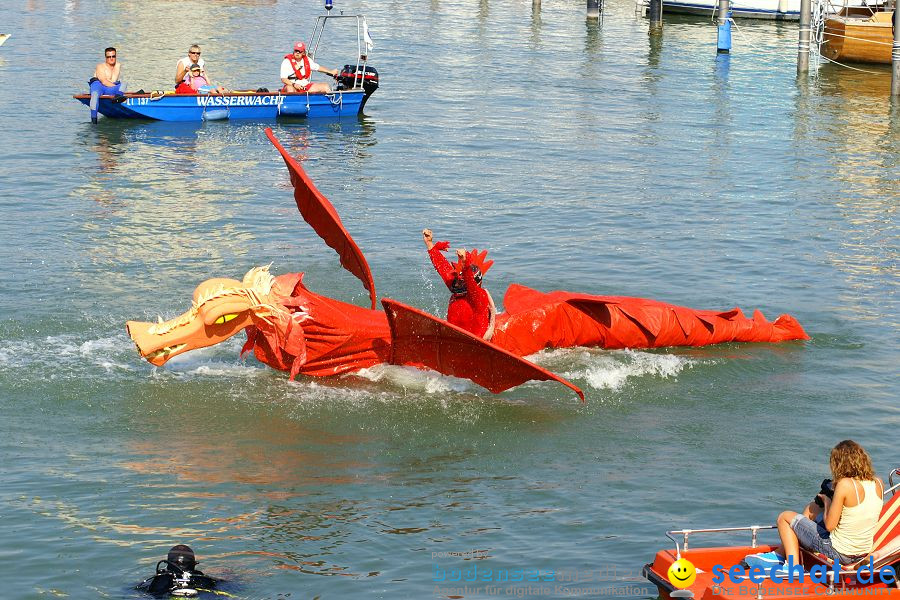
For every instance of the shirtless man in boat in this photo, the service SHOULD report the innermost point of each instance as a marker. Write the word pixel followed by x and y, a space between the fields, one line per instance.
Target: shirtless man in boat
pixel 471 306
pixel 296 69
pixel 106 80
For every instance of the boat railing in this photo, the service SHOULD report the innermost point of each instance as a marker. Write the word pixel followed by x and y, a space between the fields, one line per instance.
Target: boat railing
pixel 686 534
pixel 362 47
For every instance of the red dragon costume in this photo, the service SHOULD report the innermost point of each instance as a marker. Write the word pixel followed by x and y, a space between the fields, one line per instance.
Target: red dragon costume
pixel 470 307
pixel 291 328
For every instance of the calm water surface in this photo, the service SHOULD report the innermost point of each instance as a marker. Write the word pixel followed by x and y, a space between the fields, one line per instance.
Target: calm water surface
pixel 585 157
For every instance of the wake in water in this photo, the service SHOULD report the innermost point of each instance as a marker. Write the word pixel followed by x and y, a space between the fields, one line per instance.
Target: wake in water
pixel 601 369
pixel 612 369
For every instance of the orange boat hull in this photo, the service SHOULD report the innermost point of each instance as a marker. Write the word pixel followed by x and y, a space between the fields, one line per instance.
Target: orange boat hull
pixel 704 588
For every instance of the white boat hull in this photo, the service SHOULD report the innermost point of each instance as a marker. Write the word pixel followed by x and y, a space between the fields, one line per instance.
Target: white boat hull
pixel 780 10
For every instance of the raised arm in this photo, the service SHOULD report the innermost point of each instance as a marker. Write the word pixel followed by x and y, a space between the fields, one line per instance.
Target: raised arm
pixel 441 264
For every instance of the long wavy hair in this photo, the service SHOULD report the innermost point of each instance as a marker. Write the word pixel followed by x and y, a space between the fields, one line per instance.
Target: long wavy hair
pixel 849 459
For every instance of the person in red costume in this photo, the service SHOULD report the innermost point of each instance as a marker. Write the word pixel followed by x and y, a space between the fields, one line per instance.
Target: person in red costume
pixel 471 306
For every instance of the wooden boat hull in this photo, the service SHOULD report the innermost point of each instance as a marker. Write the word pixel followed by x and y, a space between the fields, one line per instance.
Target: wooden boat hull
pixel 859 38
pixel 205 107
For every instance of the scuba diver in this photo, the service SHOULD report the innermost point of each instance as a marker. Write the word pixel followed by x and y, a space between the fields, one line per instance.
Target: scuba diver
pixel 177 575
pixel 471 306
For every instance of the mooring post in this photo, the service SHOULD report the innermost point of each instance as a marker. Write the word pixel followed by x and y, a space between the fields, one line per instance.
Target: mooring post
pixel 895 54
pixel 803 44
pixel 723 41
pixel 535 3
pixel 655 16
pixel 593 9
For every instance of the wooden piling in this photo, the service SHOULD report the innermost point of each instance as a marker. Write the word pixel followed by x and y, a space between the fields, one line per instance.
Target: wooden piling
pixel 655 16
pixel 593 9
pixel 803 44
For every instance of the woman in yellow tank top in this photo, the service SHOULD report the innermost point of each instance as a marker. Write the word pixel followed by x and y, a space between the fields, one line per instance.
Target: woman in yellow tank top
pixel 844 528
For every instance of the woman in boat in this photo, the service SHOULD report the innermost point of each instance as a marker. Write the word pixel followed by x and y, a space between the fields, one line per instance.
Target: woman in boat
pixel 843 526
pixel 471 306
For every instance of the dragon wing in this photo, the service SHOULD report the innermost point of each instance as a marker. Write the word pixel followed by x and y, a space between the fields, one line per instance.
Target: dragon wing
pixel 422 340
pixel 324 219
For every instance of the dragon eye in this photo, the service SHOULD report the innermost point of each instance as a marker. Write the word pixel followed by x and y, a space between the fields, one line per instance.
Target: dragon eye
pixel 226 318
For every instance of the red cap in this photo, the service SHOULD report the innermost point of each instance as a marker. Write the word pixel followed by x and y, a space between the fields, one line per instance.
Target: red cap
pixel 300 46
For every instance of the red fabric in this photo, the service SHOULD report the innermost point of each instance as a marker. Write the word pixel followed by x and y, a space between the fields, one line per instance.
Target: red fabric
pixel 301 69
pixel 471 311
pixel 441 264
pixel 184 88
pixel 421 340
pixel 325 337
pixel 287 89
pixel 324 219
pixel 534 320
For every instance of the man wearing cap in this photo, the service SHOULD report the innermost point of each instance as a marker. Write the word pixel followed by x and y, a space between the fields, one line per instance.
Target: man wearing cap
pixel 296 69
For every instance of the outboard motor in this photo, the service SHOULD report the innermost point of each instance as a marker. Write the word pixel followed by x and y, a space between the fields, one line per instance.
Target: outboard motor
pixel 358 75
pixel 178 575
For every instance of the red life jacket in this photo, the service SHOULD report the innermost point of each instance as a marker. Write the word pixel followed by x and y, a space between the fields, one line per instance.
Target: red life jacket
pixel 301 69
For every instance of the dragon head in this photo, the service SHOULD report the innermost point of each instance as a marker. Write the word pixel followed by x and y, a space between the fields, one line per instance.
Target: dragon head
pixel 220 309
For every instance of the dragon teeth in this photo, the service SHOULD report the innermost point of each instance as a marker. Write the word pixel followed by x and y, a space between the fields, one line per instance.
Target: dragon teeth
pixel 164 351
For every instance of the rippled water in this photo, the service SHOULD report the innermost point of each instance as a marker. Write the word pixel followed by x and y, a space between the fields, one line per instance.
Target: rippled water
pixel 585 156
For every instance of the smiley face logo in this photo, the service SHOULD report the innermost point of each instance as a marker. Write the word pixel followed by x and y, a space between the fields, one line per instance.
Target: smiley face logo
pixel 682 573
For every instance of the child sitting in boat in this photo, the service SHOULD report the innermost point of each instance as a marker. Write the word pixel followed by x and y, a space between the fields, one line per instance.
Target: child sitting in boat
pixel 198 81
pixel 841 526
